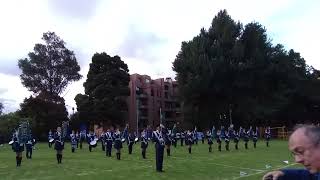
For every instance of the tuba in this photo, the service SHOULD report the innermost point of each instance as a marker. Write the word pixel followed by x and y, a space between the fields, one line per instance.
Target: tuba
pixel 64 129
pixel 24 132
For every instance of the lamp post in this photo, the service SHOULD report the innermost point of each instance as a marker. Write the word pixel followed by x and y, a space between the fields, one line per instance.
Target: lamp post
pixel 137 109
pixel 230 113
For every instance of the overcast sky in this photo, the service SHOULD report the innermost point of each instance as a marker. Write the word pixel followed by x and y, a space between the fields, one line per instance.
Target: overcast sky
pixel 146 34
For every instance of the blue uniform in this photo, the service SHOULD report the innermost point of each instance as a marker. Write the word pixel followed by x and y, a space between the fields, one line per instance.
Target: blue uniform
pixel 227 140
pixel 236 139
pixel 255 138
pixel 73 142
pixel 58 144
pixel 144 144
pixel 159 145
pixel 29 146
pixel 16 146
pixel 117 143
pixel 108 142
pixel 267 135
pixel 130 141
pixel 50 138
pixel 298 174
pixel 246 138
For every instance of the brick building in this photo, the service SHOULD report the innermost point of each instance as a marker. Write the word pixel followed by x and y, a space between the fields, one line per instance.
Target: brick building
pixel 148 97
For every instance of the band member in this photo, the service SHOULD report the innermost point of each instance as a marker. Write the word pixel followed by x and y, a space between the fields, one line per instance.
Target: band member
pixel 210 141
pixel 130 142
pixel 29 146
pixel 182 138
pixel 58 144
pixel 92 141
pixel 267 133
pixel 117 143
pixel 189 140
pixel 73 140
pixel 227 140
pixel 144 143
pixel 202 137
pixel 222 133
pixel 102 141
pixel 195 135
pixel 236 139
pixel 255 138
pixel 159 145
pixel 18 148
pixel 250 132
pixel 167 139
pixel 219 140
pixel 174 135
pixel 213 133
pixel 50 138
pixel 108 142
pixel 149 133
pixel 82 137
pixel 246 138
pixel 78 138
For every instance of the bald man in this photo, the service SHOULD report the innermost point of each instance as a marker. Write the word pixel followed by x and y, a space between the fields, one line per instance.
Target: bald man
pixel 304 143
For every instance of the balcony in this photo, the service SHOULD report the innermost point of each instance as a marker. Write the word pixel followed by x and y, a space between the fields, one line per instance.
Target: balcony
pixel 143 117
pixel 143 107
pixel 142 96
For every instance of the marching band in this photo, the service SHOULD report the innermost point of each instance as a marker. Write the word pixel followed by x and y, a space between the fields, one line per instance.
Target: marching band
pixel 162 137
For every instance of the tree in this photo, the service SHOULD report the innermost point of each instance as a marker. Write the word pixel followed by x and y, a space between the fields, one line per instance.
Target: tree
pixel 230 66
pixel 47 72
pixel 9 122
pixel 106 90
pixel 50 68
pixel 45 114
pixel 1 108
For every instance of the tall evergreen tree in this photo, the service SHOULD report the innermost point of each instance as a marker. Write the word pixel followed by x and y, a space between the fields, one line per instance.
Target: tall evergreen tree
pixel 106 90
pixel 230 67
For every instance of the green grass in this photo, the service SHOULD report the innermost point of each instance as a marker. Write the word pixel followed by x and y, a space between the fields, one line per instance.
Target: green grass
pixel 180 165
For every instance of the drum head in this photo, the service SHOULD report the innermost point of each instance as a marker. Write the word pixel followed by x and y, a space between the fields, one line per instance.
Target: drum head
pixel 51 140
pixel 136 139
pixel 123 139
pixel 96 139
pixel 11 142
pixel 92 143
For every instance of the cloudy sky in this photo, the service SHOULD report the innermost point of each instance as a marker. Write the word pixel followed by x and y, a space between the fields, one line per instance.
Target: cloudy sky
pixel 146 34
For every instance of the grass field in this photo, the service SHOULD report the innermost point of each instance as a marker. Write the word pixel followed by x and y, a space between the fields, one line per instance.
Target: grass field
pixel 180 165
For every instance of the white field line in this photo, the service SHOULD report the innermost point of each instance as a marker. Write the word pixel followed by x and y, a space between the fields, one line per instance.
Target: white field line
pixel 265 171
pixel 259 170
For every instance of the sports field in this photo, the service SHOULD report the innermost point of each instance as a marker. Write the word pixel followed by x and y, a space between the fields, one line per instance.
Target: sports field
pixel 235 164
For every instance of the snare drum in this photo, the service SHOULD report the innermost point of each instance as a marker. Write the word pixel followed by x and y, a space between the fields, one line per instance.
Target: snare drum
pixel 93 143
